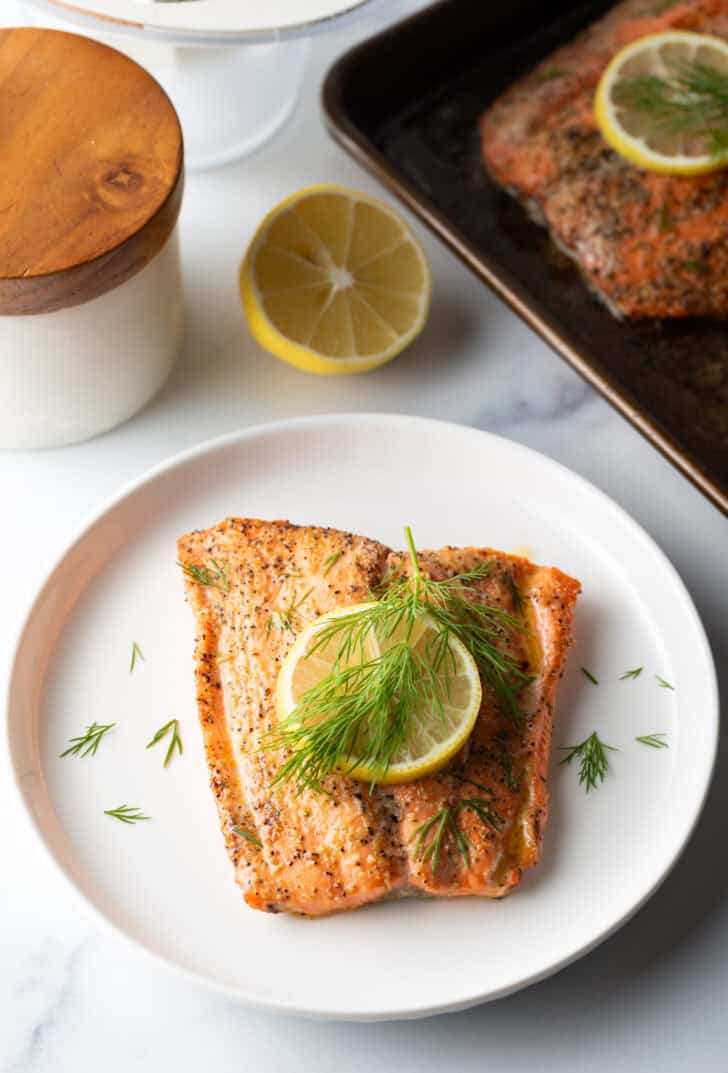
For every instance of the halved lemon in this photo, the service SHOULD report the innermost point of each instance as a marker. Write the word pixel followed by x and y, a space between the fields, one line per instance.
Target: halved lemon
pixel 335 282
pixel 437 735
pixel 645 135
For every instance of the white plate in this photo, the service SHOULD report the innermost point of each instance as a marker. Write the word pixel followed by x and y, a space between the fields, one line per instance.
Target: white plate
pixel 208 20
pixel 168 886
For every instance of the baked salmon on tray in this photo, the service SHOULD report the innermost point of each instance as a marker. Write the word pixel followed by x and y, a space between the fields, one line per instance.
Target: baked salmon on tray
pixel 648 244
pixel 413 757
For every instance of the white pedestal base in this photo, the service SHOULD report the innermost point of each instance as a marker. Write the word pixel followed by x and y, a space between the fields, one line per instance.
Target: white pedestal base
pixel 230 99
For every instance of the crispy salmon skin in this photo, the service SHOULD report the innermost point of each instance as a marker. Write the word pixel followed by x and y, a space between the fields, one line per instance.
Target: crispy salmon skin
pixel 314 853
pixel 648 245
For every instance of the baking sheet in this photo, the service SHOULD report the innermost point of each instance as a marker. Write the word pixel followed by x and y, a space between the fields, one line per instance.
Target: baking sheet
pixel 406 103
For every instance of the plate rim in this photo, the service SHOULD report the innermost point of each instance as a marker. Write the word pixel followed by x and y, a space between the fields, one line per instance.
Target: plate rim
pixel 282 426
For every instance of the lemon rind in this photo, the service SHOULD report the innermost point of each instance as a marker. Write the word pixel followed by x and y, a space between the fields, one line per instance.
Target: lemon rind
pixel 397 773
pixel 305 358
pixel 635 149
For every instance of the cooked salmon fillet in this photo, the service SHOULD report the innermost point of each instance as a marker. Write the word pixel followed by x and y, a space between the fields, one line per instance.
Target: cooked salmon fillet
pixel 648 245
pixel 314 853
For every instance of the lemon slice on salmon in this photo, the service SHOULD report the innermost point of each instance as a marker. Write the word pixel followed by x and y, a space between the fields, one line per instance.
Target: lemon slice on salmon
pixel 661 103
pixel 335 282
pixel 437 733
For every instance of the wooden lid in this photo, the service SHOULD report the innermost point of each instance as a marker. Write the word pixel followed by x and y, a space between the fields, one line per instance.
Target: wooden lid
pixel 90 169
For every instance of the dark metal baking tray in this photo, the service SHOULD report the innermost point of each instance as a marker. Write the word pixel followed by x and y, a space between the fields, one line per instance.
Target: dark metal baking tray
pixel 406 104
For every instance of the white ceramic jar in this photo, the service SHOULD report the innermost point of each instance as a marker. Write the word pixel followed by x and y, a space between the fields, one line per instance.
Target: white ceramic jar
pixel 91 312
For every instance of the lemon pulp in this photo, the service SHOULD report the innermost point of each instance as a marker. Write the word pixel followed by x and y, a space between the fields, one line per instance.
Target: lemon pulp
pixel 640 136
pixel 334 281
pixel 436 734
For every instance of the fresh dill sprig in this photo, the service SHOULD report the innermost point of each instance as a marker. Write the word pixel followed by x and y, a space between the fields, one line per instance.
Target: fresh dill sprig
pixel 364 711
pixel 429 838
pixel 293 605
pixel 248 836
pixel 87 744
pixel 482 628
pixel 663 684
pixel 655 741
pixel 438 824
pixel 482 810
pixel 593 759
pixel 126 813
pixel 547 74
pixel 275 621
pixel 510 778
pixel 217 577
pixel 515 594
pixel 634 673
pixel 136 653
pixel 283 619
pixel 700 268
pixel 691 99
pixel 588 674
pixel 175 743
pixel 664 218
pixel 465 781
pixel 330 563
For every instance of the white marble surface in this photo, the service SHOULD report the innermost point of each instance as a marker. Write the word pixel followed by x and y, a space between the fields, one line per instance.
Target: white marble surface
pixel 72 998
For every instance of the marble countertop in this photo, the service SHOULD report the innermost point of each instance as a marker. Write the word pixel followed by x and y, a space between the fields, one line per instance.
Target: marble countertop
pixel 75 999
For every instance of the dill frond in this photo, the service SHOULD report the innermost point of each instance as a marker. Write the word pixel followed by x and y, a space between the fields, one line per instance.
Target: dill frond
pixel 363 713
pixel 87 744
pixel 175 741
pixel 593 760
pixel 691 100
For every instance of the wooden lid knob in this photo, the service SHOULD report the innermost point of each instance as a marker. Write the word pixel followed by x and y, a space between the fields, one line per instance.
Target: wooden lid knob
pixel 91 169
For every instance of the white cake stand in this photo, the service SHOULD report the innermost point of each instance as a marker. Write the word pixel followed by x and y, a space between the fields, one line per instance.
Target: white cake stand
pixel 233 68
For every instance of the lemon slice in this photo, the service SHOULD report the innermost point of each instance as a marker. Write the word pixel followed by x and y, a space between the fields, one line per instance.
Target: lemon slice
pixel 437 735
pixel 335 282
pixel 647 137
